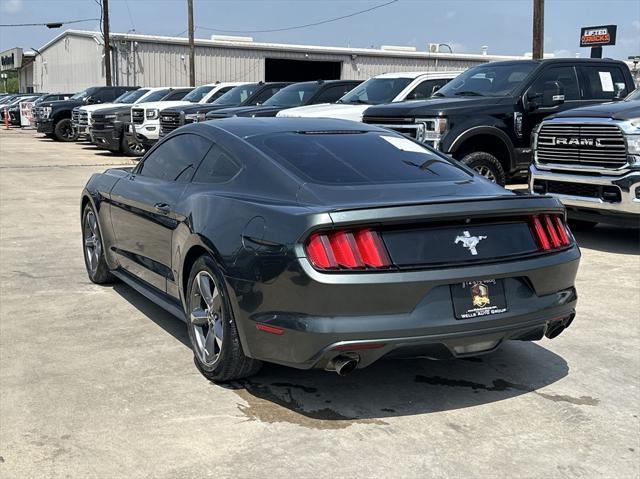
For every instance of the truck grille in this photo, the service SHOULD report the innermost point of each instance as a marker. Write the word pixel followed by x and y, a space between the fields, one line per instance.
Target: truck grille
pixel 100 123
pixel 598 146
pixel 75 115
pixel 608 193
pixel 404 126
pixel 137 116
pixel 169 121
pixel 37 113
pixel 83 118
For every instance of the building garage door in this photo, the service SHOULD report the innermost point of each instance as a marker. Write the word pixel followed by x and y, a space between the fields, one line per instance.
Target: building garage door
pixel 279 69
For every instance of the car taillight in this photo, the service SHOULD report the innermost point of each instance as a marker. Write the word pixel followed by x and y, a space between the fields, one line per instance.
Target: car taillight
pixel 550 232
pixel 347 249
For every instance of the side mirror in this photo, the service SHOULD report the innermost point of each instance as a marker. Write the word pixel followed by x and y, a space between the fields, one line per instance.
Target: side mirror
pixel 619 91
pixel 90 100
pixel 552 94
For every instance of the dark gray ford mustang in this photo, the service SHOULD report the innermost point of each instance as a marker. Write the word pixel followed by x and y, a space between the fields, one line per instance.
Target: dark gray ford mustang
pixel 327 244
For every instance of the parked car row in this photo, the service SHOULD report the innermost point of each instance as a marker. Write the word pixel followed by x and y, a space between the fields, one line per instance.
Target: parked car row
pixel 496 118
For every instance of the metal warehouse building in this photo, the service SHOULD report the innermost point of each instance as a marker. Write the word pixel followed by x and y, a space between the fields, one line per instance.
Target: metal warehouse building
pixel 72 61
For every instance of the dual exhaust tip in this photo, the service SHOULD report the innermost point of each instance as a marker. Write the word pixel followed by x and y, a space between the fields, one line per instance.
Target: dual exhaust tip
pixel 555 328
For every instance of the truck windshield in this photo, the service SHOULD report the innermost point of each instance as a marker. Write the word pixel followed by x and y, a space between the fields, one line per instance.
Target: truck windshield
pixel 81 95
pixel 488 80
pixel 194 96
pixel 135 95
pixel 634 96
pixel 376 91
pixel 157 95
pixel 237 95
pixel 293 95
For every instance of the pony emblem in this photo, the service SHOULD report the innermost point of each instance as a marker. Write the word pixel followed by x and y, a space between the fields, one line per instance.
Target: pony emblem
pixel 469 242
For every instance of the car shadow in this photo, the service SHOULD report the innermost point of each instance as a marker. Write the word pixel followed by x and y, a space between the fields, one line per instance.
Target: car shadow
pixel 610 239
pixel 387 388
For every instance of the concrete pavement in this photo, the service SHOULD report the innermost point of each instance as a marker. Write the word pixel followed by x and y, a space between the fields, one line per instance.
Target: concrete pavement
pixel 97 382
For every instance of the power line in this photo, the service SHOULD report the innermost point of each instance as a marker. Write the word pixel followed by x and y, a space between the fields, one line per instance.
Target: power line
pixel 130 16
pixel 297 27
pixel 68 22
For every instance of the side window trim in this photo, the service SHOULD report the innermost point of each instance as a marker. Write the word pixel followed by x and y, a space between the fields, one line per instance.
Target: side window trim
pixel 544 70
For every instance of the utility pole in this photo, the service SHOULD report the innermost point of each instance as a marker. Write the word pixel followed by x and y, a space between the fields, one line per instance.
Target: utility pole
pixel 192 59
pixel 107 44
pixel 538 29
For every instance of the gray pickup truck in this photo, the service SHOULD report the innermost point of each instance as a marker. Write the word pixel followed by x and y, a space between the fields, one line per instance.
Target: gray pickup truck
pixel 590 159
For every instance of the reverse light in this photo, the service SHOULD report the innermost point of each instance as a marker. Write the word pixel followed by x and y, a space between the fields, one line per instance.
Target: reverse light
pixel 550 232
pixel 347 249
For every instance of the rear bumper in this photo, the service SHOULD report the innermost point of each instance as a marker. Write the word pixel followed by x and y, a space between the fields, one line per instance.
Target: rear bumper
pixel 613 199
pixel 411 315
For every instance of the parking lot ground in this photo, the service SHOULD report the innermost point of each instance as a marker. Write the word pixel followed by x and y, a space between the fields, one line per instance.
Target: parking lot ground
pixel 98 382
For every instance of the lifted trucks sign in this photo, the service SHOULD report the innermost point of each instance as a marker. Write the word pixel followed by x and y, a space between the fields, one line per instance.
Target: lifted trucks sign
pixel 598 36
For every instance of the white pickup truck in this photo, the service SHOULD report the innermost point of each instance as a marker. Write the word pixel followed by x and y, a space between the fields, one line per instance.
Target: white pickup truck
pixel 145 117
pixel 386 88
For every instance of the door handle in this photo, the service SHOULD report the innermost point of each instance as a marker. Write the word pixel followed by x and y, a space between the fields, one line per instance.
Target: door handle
pixel 162 208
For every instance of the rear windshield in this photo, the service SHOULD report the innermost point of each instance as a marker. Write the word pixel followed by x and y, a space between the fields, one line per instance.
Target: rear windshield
pixel 352 158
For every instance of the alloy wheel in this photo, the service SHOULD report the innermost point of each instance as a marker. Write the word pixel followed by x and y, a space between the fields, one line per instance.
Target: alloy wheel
pixel 486 172
pixel 136 148
pixel 92 243
pixel 206 318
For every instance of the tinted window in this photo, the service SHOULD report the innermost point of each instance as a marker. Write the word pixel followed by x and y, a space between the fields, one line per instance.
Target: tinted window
pixel 356 158
pixel 175 159
pixel 198 94
pixel 332 94
pixel 104 95
pixel 236 95
pixel 217 167
pixel 135 95
pixel 176 95
pixel 157 95
pixel 376 91
pixel 264 95
pixel 599 82
pixel 488 80
pixel 293 95
pixel 219 93
pixel 425 89
pixel 565 76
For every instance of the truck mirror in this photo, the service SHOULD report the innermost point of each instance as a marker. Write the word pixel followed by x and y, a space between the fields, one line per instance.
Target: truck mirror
pixel 552 94
pixel 619 91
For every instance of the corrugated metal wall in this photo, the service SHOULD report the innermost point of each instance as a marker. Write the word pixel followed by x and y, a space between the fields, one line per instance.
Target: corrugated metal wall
pixel 75 62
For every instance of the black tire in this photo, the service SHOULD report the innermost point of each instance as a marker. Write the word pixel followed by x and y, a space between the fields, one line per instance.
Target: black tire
pixel 96 265
pixel 130 148
pixel 50 135
pixel 582 225
pixel 485 165
pixel 230 362
pixel 63 131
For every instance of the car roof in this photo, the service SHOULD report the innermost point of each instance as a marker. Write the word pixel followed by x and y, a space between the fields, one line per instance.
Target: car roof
pixel 245 127
pixel 417 74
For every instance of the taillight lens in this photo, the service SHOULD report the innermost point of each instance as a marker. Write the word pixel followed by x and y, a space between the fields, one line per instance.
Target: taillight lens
pixel 550 232
pixel 347 249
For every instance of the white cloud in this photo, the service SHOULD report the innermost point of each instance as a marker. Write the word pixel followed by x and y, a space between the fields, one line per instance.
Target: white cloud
pixel 563 54
pixel 11 6
pixel 450 14
pixel 636 24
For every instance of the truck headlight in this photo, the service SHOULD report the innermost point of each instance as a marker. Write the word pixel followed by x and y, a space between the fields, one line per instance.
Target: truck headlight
pixel 432 129
pixel 633 144
pixel 152 114
pixel 46 112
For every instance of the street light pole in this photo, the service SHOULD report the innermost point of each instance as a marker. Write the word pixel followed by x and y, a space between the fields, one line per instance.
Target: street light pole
pixel 192 60
pixel 538 29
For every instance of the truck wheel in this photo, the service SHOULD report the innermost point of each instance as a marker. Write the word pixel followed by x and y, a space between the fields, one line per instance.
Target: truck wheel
pixel 64 131
pixel 485 165
pixel 131 148
pixel 214 338
pixel 581 225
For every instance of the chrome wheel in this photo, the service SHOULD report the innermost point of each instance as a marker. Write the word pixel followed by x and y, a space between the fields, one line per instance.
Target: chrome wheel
pixel 136 148
pixel 486 172
pixel 92 243
pixel 206 318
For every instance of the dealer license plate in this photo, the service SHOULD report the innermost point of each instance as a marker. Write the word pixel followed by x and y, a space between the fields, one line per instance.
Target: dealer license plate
pixel 473 299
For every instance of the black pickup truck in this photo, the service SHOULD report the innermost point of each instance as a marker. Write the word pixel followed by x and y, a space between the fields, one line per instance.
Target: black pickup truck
pixel 55 116
pixel 485 116
pixel 249 94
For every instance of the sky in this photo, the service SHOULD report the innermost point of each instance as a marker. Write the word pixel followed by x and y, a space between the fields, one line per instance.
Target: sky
pixel 502 25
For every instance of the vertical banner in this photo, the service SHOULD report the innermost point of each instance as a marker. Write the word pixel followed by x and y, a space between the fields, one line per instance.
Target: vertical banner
pixel 26 113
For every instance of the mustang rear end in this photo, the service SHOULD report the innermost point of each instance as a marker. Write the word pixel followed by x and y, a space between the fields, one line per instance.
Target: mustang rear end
pixel 440 280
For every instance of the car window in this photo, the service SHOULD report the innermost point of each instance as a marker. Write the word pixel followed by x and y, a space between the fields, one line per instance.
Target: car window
pixel 219 93
pixel 356 158
pixel 332 94
pixel 376 90
pixel 294 95
pixel 565 76
pixel 425 89
pixel 175 159
pixel 198 94
pixel 235 96
pixel 217 167
pixel 105 95
pixel 176 95
pixel 599 82
pixel 156 95
pixel 265 94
